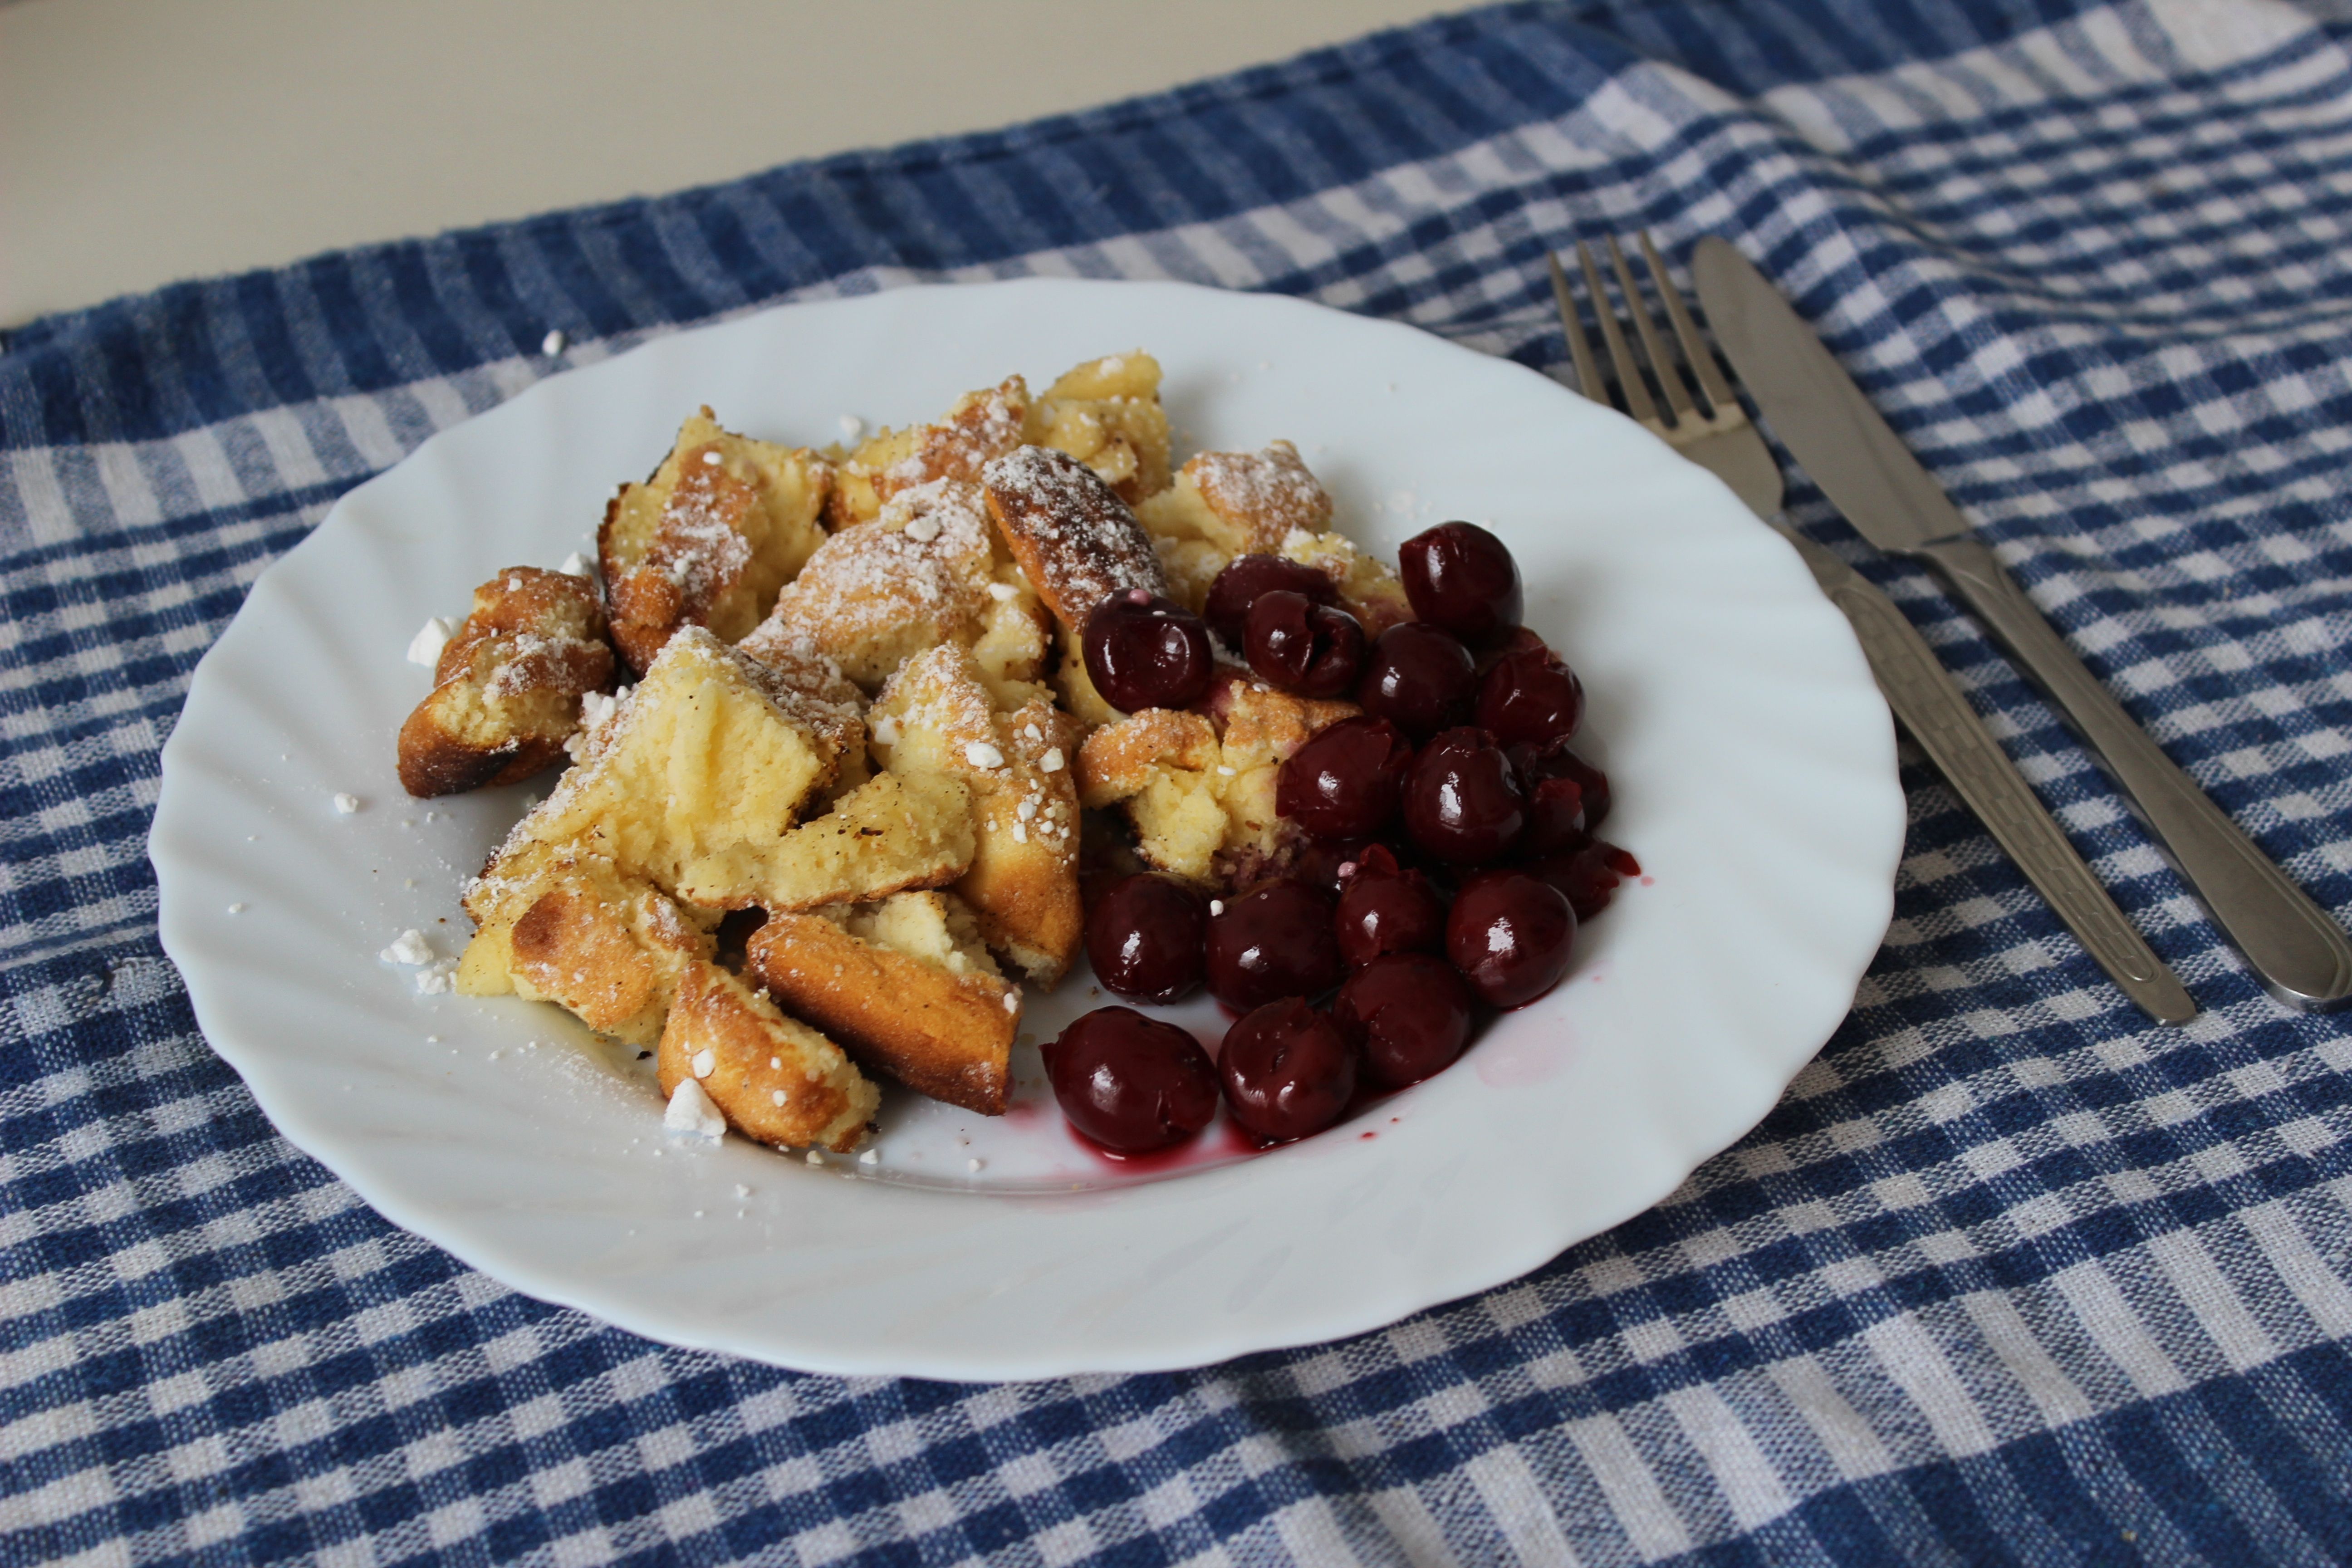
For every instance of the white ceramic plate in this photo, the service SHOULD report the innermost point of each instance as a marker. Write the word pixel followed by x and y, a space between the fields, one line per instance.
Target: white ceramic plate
pixel 1753 760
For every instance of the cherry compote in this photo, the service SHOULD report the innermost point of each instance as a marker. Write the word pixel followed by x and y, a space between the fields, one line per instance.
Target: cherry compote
pixel 1463 803
pixel 1245 578
pixel 1408 1013
pixel 1419 677
pixel 1297 645
pixel 1130 1083
pixel 1272 941
pixel 1556 821
pixel 1288 1071
pixel 1144 935
pixel 1146 651
pixel 1461 577
pixel 1530 696
pixel 1348 781
pixel 1325 864
pixel 1587 874
pixel 1510 934
pixel 1534 764
pixel 1385 908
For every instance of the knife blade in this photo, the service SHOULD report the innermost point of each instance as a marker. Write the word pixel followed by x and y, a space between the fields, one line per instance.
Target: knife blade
pixel 1936 712
pixel 2299 951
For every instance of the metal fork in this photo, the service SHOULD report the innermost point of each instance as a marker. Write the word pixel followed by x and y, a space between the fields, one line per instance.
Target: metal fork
pixel 1719 438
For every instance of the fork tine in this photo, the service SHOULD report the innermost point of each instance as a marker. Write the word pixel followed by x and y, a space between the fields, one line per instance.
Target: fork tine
pixel 1695 350
pixel 1579 347
pixel 1638 402
pixel 1670 381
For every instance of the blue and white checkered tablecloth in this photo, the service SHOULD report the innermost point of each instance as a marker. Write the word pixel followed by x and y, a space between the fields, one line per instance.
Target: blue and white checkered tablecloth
pixel 2010 1276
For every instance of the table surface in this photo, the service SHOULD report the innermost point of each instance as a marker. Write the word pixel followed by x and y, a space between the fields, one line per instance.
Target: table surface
pixel 240 133
pixel 2010 1275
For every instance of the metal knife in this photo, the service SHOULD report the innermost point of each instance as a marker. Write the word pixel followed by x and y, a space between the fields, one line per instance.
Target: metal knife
pixel 2302 954
pixel 1936 712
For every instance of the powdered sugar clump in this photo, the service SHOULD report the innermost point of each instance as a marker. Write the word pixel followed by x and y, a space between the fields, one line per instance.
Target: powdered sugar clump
pixel 408 947
pixel 690 1112
pixel 426 646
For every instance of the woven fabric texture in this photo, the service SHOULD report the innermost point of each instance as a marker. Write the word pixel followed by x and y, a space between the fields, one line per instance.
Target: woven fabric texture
pixel 2010 1276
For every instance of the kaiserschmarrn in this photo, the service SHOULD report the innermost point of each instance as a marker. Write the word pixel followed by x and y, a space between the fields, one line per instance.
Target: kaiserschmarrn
pixel 862 738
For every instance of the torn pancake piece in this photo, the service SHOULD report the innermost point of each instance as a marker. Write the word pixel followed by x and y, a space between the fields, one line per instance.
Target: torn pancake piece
pixel 877 592
pixel 556 926
pixel 1071 534
pixel 507 687
pixel 775 1080
pixel 723 524
pixel 888 835
pixel 906 986
pixel 1107 414
pixel 1244 503
pixel 983 426
pixel 713 753
pixel 938 716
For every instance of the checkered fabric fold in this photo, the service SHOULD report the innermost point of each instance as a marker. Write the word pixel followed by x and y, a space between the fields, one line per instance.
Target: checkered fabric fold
pixel 2010 1276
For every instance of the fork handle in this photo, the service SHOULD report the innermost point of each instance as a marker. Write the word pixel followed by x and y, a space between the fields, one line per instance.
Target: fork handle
pixel 1937 712
pixel 2301 954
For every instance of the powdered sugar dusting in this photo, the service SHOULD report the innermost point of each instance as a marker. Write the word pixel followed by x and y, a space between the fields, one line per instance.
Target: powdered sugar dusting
pixel 698 546
pixel 805 684
pixel 528 662
pixel 1264 495
pixel 1078 542
pixel 983 425
pixel 923 562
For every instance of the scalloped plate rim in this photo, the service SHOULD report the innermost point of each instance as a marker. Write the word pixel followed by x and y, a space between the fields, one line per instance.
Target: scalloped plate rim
pixel 1873 854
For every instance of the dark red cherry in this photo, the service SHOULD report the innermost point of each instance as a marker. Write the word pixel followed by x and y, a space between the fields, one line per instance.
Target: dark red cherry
pixel 1534 764
pixel 1409 1015
pixel 1587 874
pixel 1143 936
pixel 1346 783
pixel 1554 781
pixel 1554 819
pixel 1288 1071
pixel 1245 577
pixel 1510 934
pixel 1419 677
pixel 1307 649
pixel 1530 696
pixel 1462 802
pixel 1130 1083
pixel 1272 941
pixel 1323 864
pixel 1384 909
pixel 1461 577
pixel 1145 651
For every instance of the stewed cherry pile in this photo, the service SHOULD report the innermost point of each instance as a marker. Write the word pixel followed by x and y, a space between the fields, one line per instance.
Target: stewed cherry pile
pixel 1451 851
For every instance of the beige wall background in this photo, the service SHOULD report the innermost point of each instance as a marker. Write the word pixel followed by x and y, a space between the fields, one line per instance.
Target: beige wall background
pixel 147 141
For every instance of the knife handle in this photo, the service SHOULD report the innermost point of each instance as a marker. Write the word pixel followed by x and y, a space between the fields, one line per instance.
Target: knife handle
pixel 1937 712
pixel 2300 952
